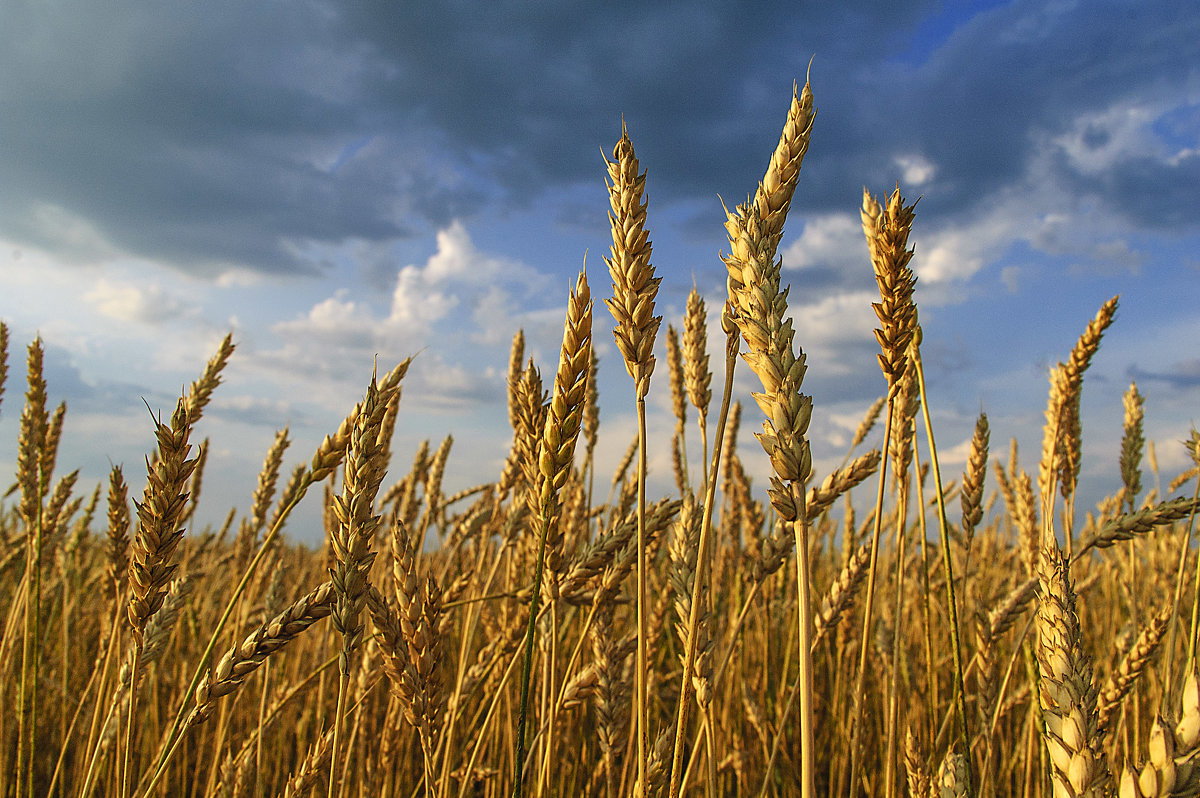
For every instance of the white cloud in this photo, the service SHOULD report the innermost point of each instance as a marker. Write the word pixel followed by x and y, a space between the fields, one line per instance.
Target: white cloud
pixel 915 169
pixel 1097 141
pixel 833 240
pixel 457 290
pixel 124 301
pixel 834 322
pixel 456 312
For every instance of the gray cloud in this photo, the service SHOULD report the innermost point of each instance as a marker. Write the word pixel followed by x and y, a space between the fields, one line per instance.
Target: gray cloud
pixel 231 134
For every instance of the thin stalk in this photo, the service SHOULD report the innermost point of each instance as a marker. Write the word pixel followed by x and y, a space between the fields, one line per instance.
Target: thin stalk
pixel 469 625
pixel 893 682
pixel 30 651
pixel 527 656
pixel 643 716
pixel 703 565
pixel 70 731
pixel 343 687
pixel 869 605
pixel 168 745
pixel 964 737
pixel 804 643
pixel 133 694
pixel 1187 541
pixel 931 684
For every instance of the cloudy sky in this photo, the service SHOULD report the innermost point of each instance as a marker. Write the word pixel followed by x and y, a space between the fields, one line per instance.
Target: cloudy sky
pixel 339 181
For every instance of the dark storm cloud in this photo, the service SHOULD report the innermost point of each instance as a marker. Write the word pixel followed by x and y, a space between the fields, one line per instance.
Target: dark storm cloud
pixel 229 134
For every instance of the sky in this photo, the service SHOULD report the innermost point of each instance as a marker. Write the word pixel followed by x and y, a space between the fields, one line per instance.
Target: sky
pixel 340 182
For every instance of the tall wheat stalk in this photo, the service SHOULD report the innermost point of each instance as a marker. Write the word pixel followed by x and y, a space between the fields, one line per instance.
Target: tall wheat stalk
pixel 556 456
pixel 632 306
pixel 33 481
pixel 759 304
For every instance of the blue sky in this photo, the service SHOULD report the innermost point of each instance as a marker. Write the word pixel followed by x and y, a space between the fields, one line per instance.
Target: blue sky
pixel 339 181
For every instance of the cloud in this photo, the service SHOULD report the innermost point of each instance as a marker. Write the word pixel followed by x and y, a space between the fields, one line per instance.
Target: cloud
pixel 457 311
pixel 124 301
pixel 1183 374
pixel 238 137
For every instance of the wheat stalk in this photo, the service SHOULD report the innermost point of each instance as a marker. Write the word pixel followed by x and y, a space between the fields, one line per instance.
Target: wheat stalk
pixel 758 303
pixel 556 455
pixel 632 306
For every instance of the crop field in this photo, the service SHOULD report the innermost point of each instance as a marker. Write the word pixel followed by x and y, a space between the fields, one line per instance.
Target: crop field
pixel 889 628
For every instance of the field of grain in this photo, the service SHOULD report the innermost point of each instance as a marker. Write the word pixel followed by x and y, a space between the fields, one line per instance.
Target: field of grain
pixel 559 632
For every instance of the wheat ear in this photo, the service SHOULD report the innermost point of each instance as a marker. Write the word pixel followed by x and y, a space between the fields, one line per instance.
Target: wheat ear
pixel 972 484
pixel 1132 665
pixel 1072 734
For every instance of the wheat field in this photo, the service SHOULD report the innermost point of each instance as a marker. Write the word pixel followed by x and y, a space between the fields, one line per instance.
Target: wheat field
pixel 886 629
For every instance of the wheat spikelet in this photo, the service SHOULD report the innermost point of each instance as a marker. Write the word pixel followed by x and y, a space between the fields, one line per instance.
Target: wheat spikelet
pixel 1132 665
pixel 972 484
pixel 1060 439
pixel 841 593
pixel 159 514
pixel 564 417
pixel 433 486
pixel 3 357
pixel 679 397
pixel 773 198
pixel 1068 696
pixel 312 769
pixel 842 481
pixel 58 509
pixel 697 376
pixel 758 304
pixel 1025 518
pixel 527 436
pixel 515 358
pixel 1132 442
pixel 591 414
pixel 242 660
pixel 201 390
pixel 887 229
pixel 409 504
pixel 951 779
pixel 356 523
pixel 611 696
pixel 634 283
pixel 914 767
pixel 869 420
pixel 1140 522
pixel 289 495
pixel 49 454
pixel 267 478
pixel 32 436
pixel 332 450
